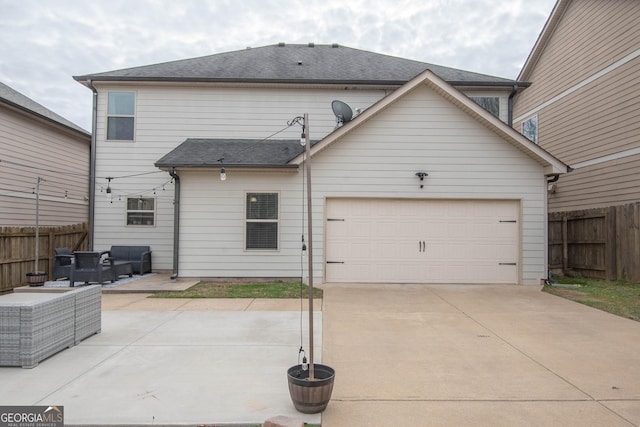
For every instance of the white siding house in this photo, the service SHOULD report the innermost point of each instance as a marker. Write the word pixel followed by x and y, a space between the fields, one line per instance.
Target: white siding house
pixel 479 216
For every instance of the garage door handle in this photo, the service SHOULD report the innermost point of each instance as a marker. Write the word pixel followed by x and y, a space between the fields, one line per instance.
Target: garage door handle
pixel 335 262
pixel 422 246
pixel 507 263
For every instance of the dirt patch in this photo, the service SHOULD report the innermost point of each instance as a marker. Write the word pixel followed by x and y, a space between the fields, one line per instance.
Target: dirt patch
pixel 572 294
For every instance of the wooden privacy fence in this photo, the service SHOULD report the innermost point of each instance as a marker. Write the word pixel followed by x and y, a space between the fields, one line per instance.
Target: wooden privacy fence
pixel 17 250
pixel 599 243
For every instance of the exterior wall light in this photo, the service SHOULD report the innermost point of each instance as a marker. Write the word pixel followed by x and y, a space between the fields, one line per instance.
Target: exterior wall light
pixel 223 172
pixel 421 175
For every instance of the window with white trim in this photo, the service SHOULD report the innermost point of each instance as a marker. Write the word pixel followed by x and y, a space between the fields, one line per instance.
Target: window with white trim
pixel 121 116
pixel 141 211
pixel 530 128
pixel 262 221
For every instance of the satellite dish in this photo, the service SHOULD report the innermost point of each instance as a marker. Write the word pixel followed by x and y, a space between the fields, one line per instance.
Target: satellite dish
pixel 342 112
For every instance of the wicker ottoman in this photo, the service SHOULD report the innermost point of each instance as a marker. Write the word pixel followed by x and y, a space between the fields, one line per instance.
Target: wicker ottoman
pixel 36 325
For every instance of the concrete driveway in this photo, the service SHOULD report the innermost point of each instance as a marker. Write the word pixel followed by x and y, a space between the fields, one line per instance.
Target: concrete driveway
pixel 443 355
pixel 404 355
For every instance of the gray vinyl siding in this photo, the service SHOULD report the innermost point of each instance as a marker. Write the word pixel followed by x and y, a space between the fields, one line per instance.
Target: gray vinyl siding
pixel 33 147
pixel 592 52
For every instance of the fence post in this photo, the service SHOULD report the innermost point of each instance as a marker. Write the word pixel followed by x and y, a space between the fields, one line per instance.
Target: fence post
pixel 50 247
pixel 565 244
pixel 611 243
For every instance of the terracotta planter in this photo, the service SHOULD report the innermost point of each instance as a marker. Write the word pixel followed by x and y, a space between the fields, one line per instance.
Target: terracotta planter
pixel 310 397
pixel 37 278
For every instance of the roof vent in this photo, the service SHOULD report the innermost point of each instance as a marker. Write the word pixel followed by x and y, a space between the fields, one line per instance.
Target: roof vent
pixel 299 62
pixel 335 45
pixel 312 44
pixel 281 44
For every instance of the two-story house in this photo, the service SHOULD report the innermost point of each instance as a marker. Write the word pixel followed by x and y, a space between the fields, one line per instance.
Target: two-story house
pixel 582 107
pixel 201 159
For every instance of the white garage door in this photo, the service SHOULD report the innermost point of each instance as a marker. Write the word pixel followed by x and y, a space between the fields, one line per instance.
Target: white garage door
pixel 422 241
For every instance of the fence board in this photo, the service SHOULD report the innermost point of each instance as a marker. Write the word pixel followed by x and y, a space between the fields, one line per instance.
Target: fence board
pixel 599 243
pixel 17 247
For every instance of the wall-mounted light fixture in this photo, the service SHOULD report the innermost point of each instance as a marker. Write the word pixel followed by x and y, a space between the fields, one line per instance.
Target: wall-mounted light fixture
pixel 223 172
pixel 421 175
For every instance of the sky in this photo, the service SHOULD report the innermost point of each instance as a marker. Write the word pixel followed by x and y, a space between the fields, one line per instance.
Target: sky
pixel 44 43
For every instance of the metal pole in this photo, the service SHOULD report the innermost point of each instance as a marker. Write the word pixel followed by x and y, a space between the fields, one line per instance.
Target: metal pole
pixel 35 270
pixel 310 250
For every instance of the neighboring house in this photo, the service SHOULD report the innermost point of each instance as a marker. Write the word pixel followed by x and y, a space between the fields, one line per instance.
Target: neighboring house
pixel 37 143
pixel 423 186
pixel 582 105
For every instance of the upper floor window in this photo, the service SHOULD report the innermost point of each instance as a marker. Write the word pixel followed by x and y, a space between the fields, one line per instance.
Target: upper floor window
pixel 530 128
pixel 120 116
pixel 489 103
pixel 262 214
pixel 141 211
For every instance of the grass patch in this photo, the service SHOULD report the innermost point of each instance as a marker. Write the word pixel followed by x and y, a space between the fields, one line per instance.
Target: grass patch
pixel 615 297
pixel 243 290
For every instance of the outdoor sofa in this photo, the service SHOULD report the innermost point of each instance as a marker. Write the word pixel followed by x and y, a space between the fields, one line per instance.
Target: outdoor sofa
pixel 138 256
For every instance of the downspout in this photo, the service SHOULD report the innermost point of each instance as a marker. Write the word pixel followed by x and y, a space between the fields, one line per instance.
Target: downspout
pixel 92 165
pixel 176 221
pixel 510 105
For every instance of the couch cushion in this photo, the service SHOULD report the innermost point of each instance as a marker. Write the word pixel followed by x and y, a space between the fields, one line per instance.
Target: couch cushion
pixel 120 252
pixel 136 252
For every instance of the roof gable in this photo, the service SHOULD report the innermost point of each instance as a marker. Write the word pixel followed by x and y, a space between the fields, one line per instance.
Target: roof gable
pixel 552 165
pixel 285 63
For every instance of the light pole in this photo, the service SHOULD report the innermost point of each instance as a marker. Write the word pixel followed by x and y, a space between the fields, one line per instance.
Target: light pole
pixel 305 131
pixel 310 391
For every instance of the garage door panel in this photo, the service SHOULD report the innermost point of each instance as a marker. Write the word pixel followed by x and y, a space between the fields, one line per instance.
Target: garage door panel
pixel 423 241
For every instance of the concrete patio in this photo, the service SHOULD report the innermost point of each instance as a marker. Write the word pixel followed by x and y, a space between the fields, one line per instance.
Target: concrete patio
pixel 404 355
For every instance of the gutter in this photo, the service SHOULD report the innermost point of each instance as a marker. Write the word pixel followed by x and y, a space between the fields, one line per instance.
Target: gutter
pixel 513 93
pixel 92 165
pixel 176 221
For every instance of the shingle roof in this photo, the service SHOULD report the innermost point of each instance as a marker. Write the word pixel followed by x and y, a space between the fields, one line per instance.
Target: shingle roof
pixel 195 152
pixel 295 63
pixel 16 99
